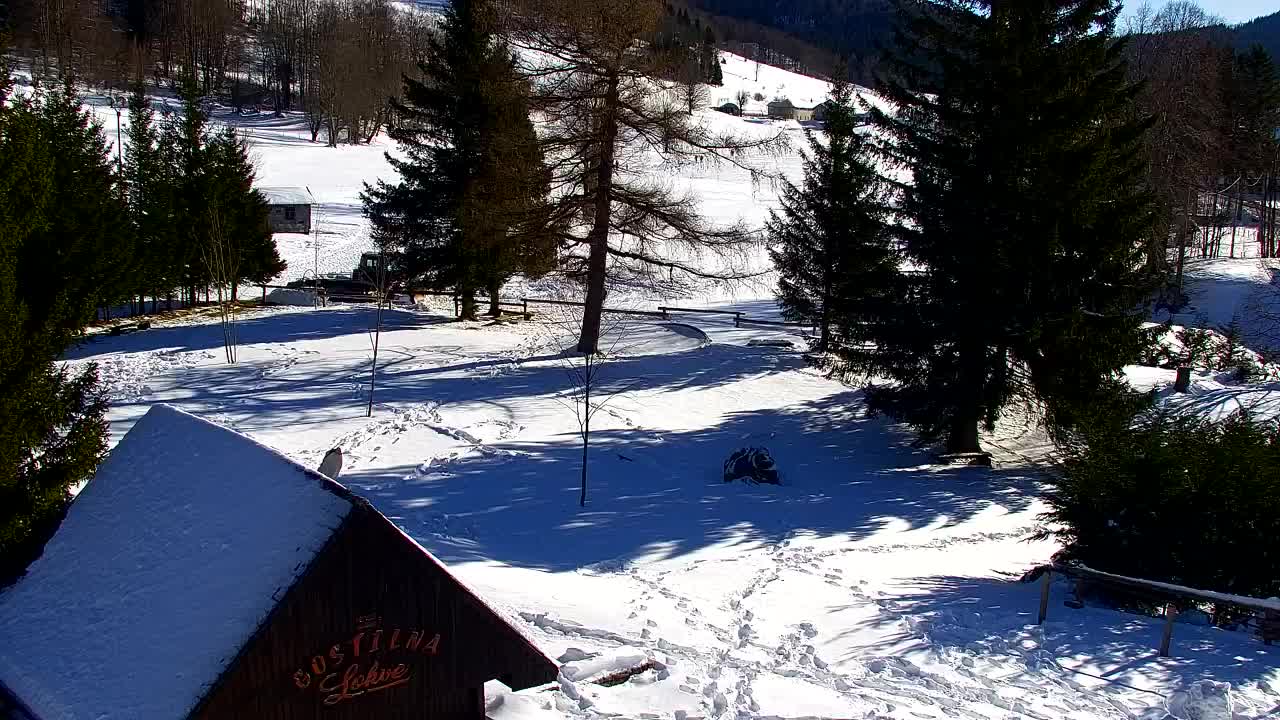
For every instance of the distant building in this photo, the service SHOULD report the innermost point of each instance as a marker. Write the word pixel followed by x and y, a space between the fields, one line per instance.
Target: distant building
pixel 290 208
pixel 784 109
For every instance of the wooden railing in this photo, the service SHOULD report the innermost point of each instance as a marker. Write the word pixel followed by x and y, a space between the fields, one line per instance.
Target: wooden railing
pixel 1268 611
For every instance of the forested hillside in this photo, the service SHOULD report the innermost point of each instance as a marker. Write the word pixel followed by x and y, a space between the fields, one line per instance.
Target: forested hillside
pixel 1264 31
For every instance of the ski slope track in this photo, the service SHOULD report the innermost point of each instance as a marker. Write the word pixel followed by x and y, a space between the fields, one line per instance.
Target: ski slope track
pixel 873 583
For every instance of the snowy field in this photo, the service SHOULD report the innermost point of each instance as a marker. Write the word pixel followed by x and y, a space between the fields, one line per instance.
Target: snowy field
pixel 871 584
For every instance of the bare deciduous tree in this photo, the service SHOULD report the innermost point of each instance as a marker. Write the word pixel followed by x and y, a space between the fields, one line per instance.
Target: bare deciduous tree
pixel 604 119
pixel 221 259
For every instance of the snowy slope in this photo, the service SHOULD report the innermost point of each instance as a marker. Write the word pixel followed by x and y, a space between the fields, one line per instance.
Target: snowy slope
pixel 871 584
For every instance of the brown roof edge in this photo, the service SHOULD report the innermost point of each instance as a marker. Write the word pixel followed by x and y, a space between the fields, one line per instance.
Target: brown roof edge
pixel 534 653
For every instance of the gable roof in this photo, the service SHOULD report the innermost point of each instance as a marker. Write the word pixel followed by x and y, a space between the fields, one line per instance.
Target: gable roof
pixel 287 196
pixel 165 565
pixel 173 562
pixel 784 102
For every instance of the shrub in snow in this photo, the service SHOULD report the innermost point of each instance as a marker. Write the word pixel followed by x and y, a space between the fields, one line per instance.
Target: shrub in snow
pixel 1221 349
pixel 753 465
pixel 1174 498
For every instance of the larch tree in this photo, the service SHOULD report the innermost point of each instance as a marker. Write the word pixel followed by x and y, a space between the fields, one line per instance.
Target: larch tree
pixel 607 119
pixel 468 211
pixel 1024 218
pixel 829 240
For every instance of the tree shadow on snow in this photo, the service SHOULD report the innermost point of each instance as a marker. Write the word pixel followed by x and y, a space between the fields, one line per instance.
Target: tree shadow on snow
pixel 1093 646
pixel 264 327
pixel 661 492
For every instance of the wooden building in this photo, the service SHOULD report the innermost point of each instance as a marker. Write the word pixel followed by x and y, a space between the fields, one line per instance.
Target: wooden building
pixel 290 209
pixel 202 575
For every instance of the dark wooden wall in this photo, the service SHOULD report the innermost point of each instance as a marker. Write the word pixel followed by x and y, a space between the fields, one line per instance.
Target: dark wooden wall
pixel 369 569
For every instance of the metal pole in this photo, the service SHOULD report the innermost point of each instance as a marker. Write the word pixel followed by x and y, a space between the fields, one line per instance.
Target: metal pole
pixel 373 372
pixel 119 142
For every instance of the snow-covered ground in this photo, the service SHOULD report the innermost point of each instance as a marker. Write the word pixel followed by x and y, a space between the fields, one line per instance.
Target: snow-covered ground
pixel 872 583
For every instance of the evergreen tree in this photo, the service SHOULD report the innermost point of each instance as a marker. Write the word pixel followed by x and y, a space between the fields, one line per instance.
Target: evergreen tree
pixel 241 211
pixel 182 143
pixel 1252 111
pixel 829 242
pixel 465 211
pixel 1022 214
pixel 148 183
pixel 65 247
pixel 711 71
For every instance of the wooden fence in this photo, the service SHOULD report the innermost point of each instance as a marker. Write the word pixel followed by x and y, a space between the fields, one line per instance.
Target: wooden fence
pixel 1267 611
pixel 664 312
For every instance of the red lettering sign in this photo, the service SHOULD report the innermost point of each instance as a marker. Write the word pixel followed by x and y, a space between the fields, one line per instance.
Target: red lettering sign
pixel 371 668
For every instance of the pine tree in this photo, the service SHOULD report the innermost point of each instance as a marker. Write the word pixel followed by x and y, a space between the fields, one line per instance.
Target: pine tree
pixel 182 143
pixel 1022 214
pixel 711 71
pixel 148 183
pixel 241 211
pixel 463 213
pixel 829 242
pixel 65 247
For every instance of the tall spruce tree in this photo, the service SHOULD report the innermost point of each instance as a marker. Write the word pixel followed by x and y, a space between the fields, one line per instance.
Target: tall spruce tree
pixel 829 242
pixel 712 74
pixel 148 184
pixel 1023 216
pixel 182 144
pixel 241 211
pixel 465 213
pixel 65 246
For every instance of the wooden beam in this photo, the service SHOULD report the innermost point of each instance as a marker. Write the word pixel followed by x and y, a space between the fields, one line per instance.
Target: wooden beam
pixel 1044 596
pixel 1170 613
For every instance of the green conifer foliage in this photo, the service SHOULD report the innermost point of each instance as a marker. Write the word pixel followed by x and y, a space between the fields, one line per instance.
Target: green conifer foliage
pixel 1023 213
pixel 467 211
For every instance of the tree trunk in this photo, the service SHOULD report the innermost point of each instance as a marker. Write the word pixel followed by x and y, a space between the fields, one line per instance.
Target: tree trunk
pixel 597 261
pixel 1182 241
pixel 467 308
pixel 1235 217
pixel 586 427
pixel 963 437
pixel 495 287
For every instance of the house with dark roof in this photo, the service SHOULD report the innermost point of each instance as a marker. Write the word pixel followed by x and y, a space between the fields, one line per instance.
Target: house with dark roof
pixel 200 574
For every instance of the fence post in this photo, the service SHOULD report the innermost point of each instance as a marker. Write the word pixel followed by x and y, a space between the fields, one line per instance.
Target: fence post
pixel 264 295
pixel 1044 596
pixel 737 319
pixel 664 313
pixel 1170 612
pixel 526 308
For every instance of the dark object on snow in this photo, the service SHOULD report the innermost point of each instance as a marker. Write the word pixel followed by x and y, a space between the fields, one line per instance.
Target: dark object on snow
pixel 1182 382
pixel 775 342
pixel 753 465
pixel 979 459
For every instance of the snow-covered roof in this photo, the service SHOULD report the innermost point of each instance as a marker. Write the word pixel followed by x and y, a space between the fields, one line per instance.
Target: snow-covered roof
pixel 287 196
pixel 165 565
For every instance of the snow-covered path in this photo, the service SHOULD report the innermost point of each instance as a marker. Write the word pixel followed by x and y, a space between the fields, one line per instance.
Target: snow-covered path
pixel 873 583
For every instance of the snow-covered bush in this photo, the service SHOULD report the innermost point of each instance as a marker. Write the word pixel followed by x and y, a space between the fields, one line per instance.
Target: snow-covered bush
pixel 1203 349
pixel 1175 498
